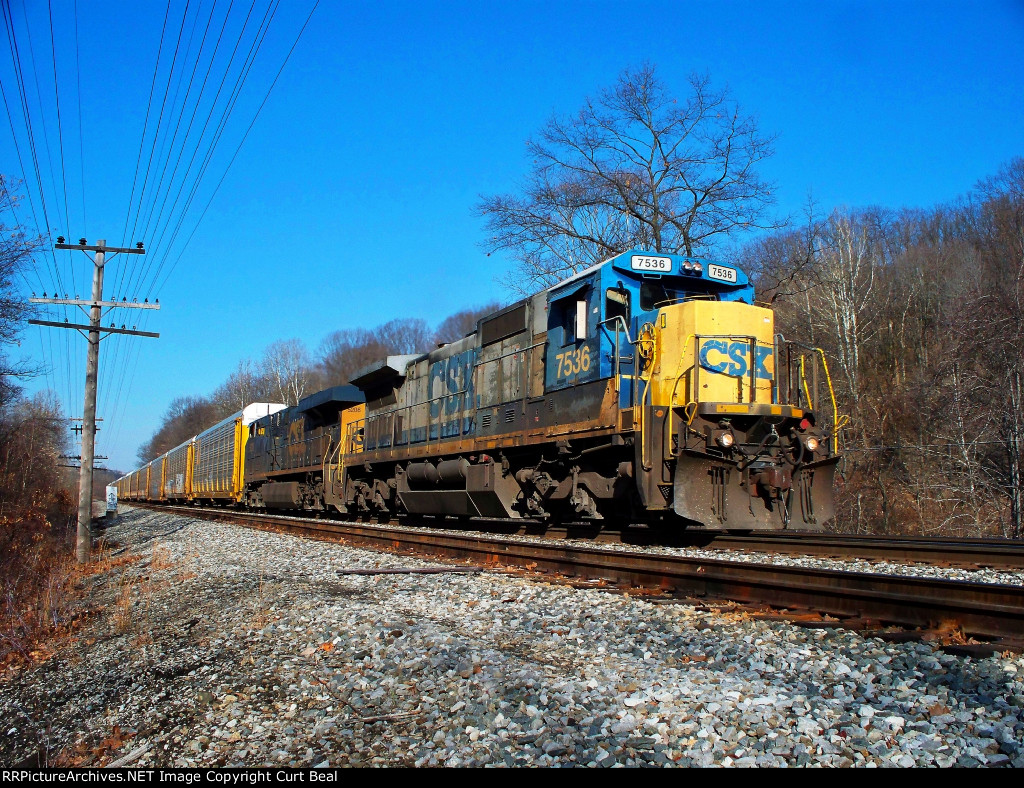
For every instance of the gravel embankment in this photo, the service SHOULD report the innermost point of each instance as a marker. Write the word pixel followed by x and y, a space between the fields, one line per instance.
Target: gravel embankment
pixel 225 646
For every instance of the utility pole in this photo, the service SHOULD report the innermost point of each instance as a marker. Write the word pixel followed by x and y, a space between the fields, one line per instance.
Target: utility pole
pixel 94 329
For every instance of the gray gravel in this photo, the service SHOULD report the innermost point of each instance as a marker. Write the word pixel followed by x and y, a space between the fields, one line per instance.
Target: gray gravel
pixel 225 646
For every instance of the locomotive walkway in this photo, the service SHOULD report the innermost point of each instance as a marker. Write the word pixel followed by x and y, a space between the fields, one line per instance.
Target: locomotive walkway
pixel 866 599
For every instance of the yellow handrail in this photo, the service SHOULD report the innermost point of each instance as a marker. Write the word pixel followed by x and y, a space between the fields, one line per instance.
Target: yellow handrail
pixel 837 421
pixel 675 386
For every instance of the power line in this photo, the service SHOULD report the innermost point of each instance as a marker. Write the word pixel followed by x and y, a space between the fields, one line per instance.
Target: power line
pixel 156 245
pixel 233 157
pixel 142 141
pixel 168 145
pixel 60 132
pixel 81 133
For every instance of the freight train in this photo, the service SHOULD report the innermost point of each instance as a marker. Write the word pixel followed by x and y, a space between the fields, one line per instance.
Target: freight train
pixel 649 388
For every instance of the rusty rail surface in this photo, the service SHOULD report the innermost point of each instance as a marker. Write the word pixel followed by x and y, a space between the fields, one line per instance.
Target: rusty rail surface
pixel 972 553
pixel 984 610
pixel 939 551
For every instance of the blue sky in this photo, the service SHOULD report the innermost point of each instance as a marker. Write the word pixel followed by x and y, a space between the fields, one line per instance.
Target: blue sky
pixel 352 200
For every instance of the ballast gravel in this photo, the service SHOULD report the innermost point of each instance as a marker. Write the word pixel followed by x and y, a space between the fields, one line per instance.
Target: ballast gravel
pixel 223 646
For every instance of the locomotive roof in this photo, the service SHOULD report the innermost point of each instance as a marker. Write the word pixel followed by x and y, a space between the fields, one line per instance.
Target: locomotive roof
pixel 378 372
pixel 336 396
pixel 597 266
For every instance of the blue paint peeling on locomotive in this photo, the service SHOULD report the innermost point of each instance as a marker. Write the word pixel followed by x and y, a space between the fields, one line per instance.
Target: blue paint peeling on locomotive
pixel 451 395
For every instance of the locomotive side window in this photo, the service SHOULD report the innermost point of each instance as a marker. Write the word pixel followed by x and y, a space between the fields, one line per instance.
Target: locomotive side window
pixel 616 303
pixel 572 316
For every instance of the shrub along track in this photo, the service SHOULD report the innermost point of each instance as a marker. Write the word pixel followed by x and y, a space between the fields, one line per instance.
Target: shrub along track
pixel 976 609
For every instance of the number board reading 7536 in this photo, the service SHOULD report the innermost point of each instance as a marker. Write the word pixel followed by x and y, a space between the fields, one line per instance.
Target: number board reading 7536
pixel 721 273
pixel 644 262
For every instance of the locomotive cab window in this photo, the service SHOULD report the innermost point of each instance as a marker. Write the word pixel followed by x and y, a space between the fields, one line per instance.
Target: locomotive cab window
pixel 616 304
pixel 571 314
pixel 653 295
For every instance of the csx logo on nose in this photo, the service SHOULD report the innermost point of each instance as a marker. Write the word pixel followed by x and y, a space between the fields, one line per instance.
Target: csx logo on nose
pixel 733 358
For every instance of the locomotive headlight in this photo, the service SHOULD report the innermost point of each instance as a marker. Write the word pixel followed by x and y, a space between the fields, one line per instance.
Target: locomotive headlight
pixel 811 443
pixel 687 266
pixel 725 440
pixel 697 268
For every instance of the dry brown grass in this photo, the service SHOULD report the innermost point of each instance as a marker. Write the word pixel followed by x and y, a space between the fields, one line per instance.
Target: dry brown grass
pixel 162 558
pixel 123 617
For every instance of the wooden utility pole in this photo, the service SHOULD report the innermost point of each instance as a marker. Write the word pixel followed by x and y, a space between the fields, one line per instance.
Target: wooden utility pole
pixel 94 329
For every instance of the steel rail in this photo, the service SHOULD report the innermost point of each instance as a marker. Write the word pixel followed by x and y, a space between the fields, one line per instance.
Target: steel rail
pixel 969 553
pixel 992 553
pixel 984 610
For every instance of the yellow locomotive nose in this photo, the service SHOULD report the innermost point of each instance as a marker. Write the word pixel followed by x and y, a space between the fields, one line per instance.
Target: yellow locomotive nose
pixel 715 437
pixel 710 351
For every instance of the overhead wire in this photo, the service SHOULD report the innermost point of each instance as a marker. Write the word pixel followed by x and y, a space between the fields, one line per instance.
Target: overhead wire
pixel 145 125
pixel 162 193
pixel 206 160
pixel 121 341
pixel 125 367
pixel 167 147
pixel 127 270
pixel 16 60
pixel 234 156
pixel 229 104
pixel 60 137
pixel 159 122
pixel 81 132
pixel 60 131
pixel 188 130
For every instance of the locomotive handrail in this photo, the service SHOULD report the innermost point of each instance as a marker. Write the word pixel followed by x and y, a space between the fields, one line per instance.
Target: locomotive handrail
pixel 477 364
pixel 752 367
pixel 617 320
pixel 672 399
pixel 837 421
pixel 326 460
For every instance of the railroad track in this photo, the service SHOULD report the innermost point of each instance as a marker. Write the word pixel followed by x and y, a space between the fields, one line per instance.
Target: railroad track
pixel 981 610
pixel 936 551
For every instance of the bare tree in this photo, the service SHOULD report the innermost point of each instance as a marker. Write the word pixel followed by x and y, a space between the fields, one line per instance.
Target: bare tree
pixel 185 418
pixel 633 168
pixel 344 352
pixel 1001 246
pixel 244 386
pixel 288 365
pixel 32 439
pixel 455 327
pixel 16 252
pixel 405 335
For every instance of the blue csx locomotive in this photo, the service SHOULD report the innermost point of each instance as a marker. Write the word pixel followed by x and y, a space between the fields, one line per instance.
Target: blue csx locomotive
pixel 648 388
